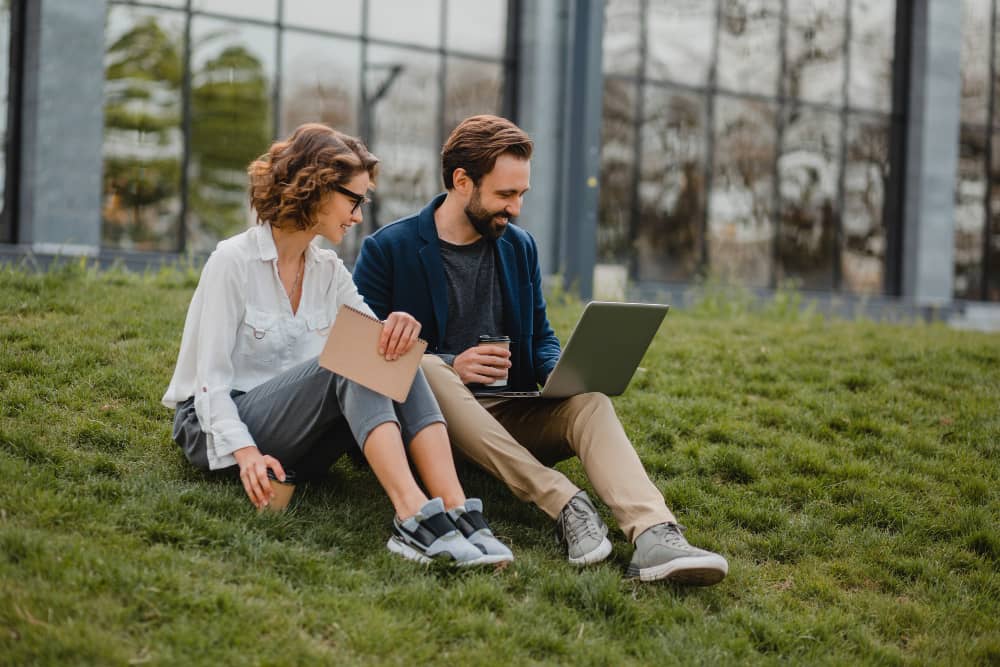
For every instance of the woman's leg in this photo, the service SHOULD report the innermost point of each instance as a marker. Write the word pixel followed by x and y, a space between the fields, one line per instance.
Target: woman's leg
pixel 385 454
pixel 430 452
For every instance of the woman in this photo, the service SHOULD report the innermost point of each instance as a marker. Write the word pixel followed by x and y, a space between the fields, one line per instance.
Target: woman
pixel 247 388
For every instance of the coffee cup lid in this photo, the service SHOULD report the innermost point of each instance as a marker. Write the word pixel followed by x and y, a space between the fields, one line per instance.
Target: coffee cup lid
pixel 487 338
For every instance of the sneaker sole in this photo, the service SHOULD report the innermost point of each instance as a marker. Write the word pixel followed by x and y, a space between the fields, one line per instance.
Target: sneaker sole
pixel 687 570
pixel 602 551
pixel 398 547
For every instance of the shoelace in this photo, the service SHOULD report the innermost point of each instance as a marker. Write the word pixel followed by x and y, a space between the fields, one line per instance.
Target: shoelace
pixel 584 526
pixel 672 534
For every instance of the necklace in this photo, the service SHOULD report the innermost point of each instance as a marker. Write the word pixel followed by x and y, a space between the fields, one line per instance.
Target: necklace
pixel 298 279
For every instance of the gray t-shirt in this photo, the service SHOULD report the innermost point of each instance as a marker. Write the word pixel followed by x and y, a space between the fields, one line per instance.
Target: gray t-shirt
pixel 475 303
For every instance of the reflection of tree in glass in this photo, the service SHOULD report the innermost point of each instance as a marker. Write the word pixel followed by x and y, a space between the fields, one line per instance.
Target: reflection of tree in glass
pixel 672 194
pixel 617 138
pixel 230 109
pixel 869 166
pixel 142 133
pixel 322 102
pixel 816 39
pixel 473 88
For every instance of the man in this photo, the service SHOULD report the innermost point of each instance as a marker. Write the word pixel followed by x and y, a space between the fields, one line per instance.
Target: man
pixel 462 269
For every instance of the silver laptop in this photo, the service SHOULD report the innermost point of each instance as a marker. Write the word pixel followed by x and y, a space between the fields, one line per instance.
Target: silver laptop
pixel 602 353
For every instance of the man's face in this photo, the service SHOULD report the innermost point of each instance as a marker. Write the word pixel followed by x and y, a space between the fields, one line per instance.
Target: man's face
pixel 498 197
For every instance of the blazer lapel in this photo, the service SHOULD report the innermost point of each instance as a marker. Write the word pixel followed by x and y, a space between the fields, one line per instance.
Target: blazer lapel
pixel 430 257
pixel 508 281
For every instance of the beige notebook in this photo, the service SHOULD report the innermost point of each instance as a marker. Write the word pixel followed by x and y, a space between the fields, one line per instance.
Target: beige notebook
pixel 351 351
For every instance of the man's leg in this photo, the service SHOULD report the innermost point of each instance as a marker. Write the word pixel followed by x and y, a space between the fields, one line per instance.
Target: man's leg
pixel 588 426
pixel 481 438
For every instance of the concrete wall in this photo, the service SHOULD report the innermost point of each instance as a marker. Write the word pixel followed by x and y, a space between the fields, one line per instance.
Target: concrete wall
pixel 62 126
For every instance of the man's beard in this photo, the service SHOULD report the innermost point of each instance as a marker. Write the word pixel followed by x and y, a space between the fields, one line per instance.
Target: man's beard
pixel 483 221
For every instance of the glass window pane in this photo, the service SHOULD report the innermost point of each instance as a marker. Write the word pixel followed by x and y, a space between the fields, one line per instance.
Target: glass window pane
pixel 672 186
pixel 749 57
pixel 808 169
pixel 993 248
pixel 618 137
pixel 266 10
pixel 970 212
pixel 232 70
pixel 680 35
pixel 622 23
pixel 320 82
pixel 404 130
pixel 478 27
pixel 143 141
pixel 975 61
pixel 866 174
pixel 740 227
pixel 873 30
pixel 471 87
pixel 343 16
pixel 405 21
pixel 815 69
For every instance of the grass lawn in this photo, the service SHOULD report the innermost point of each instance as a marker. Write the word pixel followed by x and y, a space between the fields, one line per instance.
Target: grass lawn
pixel 849 471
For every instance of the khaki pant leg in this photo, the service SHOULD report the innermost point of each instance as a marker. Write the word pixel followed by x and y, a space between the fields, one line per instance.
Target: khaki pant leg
pixel 476 434
pixel 588 426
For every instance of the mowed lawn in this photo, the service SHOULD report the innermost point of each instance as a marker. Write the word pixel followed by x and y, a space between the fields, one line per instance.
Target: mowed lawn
pixel 849 471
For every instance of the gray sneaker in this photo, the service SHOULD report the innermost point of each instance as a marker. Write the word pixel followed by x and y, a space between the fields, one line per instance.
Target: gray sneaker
pixel 469 520
pixel 661 552
pixel 580 527
pixel 430 534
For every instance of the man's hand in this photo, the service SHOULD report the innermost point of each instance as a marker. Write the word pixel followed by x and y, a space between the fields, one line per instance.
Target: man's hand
pixel 482 364
pixel 399 332
pixel 253 474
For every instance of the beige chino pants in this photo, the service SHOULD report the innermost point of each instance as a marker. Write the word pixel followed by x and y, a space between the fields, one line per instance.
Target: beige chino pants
pixel 517 439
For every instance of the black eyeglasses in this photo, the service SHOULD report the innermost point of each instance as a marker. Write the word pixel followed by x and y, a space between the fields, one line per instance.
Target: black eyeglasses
pixel 355 197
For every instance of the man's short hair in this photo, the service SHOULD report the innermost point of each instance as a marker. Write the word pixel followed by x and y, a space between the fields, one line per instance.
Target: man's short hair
pixel 476 144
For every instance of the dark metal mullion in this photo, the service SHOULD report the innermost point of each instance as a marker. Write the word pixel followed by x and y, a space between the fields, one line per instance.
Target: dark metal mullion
pixel 894 207
pixel 838 231
pixel 12 149
pixel 512 49
pixel 776 207
pixel 638 111
pixel 990 125
pixel 279 46
pixel 710 135
pixel 185 132
pixel 442 97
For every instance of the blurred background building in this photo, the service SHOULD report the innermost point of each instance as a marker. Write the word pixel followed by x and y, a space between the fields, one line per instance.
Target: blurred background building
pixel 846 146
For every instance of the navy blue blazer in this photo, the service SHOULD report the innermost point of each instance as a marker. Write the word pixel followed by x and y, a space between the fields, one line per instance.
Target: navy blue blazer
pixel 400 268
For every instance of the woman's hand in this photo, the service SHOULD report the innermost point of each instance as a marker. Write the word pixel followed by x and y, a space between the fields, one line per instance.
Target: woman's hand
pixel 253 474
pixel 399 333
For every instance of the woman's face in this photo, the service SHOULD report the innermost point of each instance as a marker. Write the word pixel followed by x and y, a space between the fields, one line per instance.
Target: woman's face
pixel 337 211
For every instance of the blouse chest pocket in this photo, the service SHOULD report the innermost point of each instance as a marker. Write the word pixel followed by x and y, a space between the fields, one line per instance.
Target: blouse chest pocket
pixel 259 337
pixel 318 323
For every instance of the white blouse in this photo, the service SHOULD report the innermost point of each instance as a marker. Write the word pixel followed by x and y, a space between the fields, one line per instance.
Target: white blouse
pixel 240 330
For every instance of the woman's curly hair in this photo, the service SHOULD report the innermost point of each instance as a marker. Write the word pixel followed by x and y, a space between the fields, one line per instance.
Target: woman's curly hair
pixel 287 183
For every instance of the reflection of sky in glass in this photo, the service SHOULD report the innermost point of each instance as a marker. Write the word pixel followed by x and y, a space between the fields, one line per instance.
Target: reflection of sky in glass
pixel 749 58
pixel 319 82
pixel 405 130
pixel 341 16
pixel 477 27
pixel 256 9
pixel 975 60
pixel 405 21
pixel 815 50
pixel 621 37
pixel 680 40
pixel 210 37
pixel 471 87
pixel 873 25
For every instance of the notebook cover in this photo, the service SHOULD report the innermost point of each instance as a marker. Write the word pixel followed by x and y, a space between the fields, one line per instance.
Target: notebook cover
pixel 351 351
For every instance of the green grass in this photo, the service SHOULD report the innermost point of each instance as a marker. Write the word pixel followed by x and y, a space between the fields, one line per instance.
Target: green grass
pixel 849 471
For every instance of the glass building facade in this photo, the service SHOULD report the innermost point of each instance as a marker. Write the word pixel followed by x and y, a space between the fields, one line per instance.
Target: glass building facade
pixel 761 142
pixel 749 140
pixel 977 186
pixel 196 89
